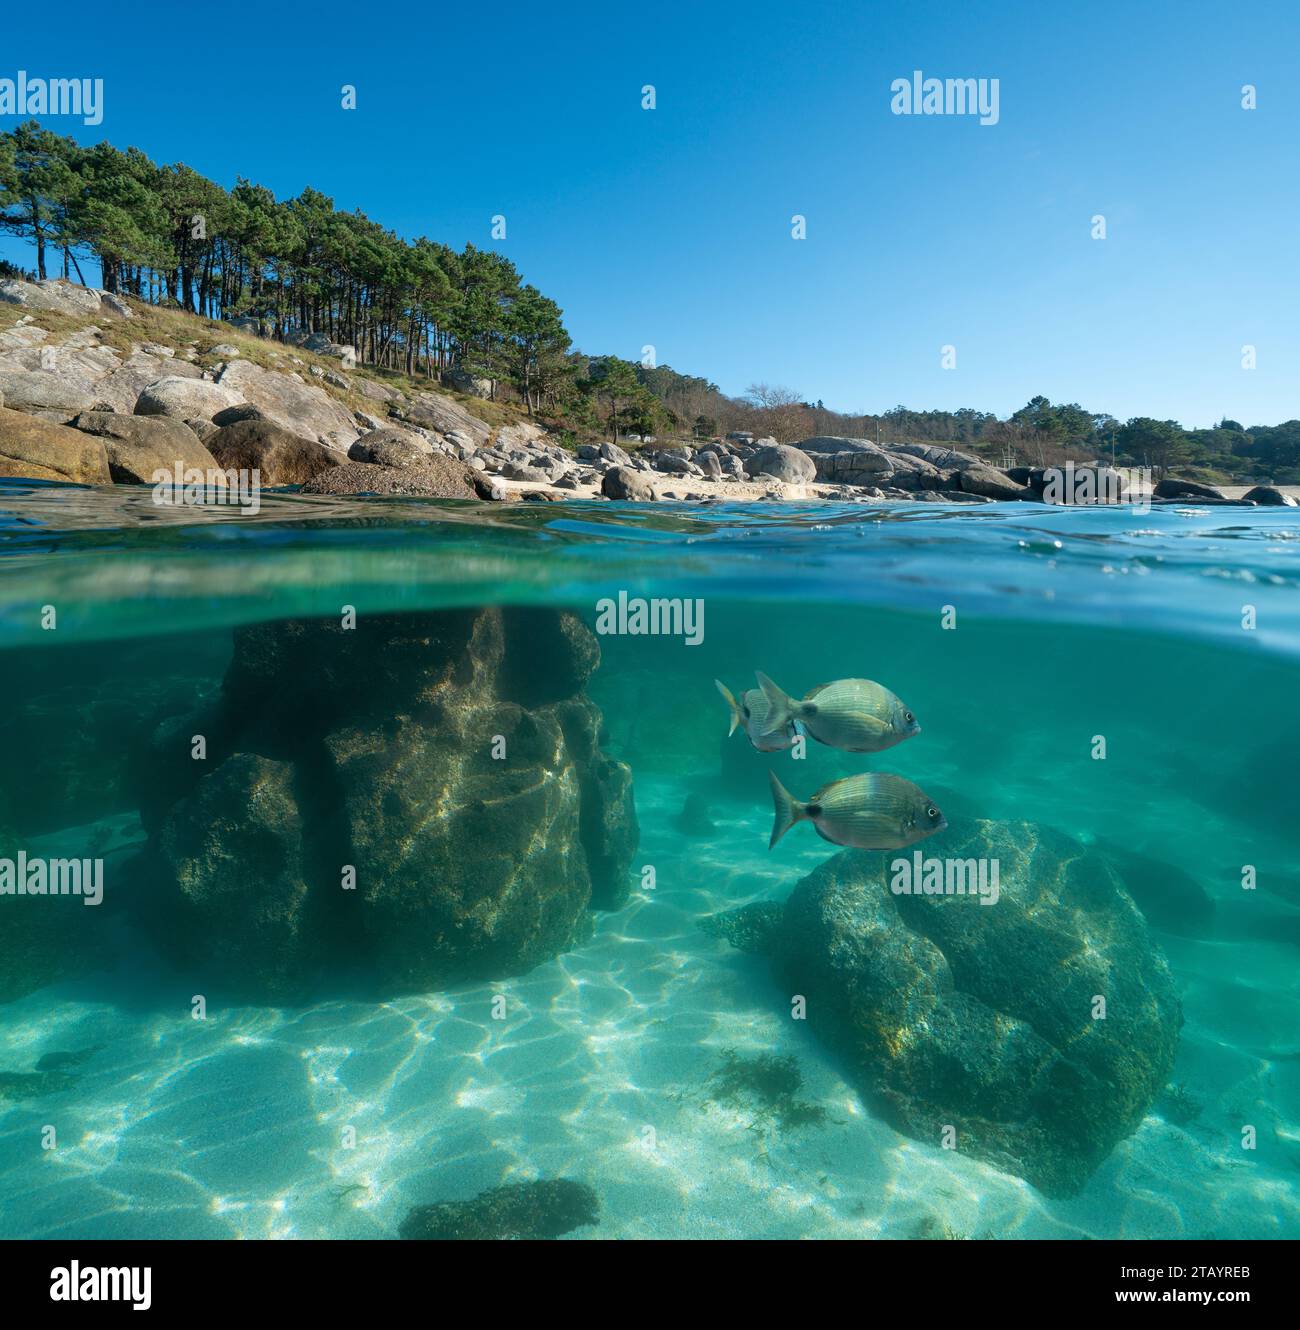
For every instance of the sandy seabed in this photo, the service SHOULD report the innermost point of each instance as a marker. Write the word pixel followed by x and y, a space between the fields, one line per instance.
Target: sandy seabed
pixel 237 1126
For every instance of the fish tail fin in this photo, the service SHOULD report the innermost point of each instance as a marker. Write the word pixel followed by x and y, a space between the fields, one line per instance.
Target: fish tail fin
pixel 788 810
pixel 780 705
pixel 732 703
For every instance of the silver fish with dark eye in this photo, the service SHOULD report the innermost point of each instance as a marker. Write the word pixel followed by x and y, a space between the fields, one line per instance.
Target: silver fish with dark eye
pixel 857 715
pixel 752 714
pixel 873 811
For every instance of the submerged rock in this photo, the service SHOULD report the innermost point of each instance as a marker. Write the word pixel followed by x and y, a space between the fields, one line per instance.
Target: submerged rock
pixel 524 1211
pixel 984 1018
pixel 419 800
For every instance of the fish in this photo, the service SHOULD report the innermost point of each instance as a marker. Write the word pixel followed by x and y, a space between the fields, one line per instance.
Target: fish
pixel 871 811
pixel 751 713
pixel 856 715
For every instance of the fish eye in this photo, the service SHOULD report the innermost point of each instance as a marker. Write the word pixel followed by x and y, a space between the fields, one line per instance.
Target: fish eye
pixel 932 813
pixel 909 718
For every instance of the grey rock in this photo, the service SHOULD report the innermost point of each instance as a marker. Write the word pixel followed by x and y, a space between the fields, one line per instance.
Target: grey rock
pixel 376 392
pixel 55 296
pixel 620 482
pixel 939 456
pixel 522 471
pixel 444 414
pixel 783 463
pixel 990 483
pixel 675 464
pixel 322 346
pixel 833 443
pixel 302 409
pixel 120 390
pixel 522 434
pixel 472 385
pixel 181 398
pixel 611 452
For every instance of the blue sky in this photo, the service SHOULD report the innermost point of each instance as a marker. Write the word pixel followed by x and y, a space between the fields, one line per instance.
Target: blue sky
pixel 672 227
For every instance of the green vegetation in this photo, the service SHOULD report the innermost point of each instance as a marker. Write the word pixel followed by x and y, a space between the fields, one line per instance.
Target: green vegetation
pixel 521 1211
pixel 1179 1105
pixel 766 1085
pixel 168 236
pixel 295 267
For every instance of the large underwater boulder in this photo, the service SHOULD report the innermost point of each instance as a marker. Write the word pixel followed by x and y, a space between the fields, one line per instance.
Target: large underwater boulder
pixel 981 1017
pixel 418 800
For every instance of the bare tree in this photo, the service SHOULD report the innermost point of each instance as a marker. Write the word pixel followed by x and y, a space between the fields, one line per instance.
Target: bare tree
pixel 781 412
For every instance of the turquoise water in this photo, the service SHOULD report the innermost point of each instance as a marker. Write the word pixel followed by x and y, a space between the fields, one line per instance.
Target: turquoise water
pixel 332 1106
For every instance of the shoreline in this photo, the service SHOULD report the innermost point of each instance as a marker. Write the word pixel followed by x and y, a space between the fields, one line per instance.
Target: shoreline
pixel 114 390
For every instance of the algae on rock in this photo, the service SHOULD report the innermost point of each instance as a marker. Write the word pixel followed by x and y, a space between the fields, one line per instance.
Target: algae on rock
pixel 985 1019
pixel 420 800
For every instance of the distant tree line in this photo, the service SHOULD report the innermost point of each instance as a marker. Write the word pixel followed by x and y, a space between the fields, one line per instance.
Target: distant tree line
pixel 167 235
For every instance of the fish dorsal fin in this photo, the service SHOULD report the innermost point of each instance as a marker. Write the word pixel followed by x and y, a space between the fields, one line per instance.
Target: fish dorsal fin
pixel 814 690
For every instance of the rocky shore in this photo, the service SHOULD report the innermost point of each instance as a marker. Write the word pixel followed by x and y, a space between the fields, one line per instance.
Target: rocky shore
pixel 81 403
